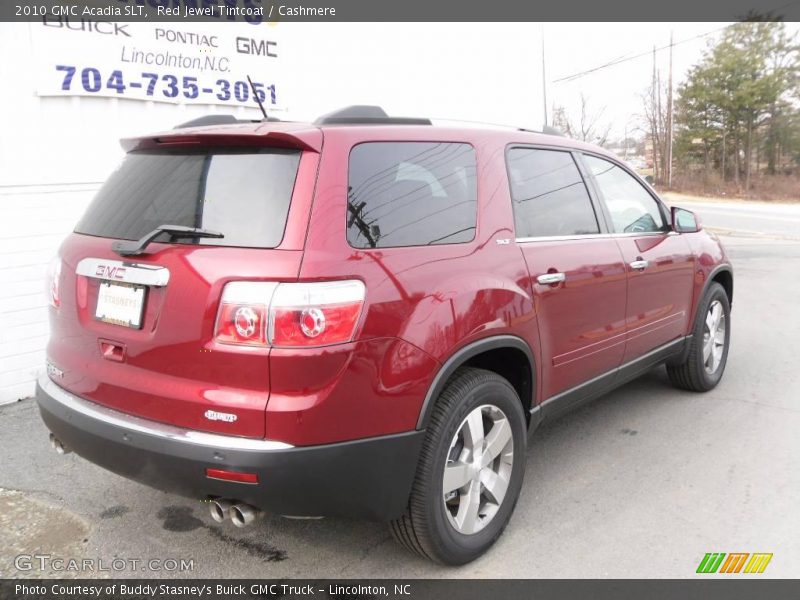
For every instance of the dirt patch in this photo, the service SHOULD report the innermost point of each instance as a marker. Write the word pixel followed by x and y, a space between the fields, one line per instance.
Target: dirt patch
pixel 261 550
pixel 114 511
pixel 31 527
pixel 773 188
pixel 179 518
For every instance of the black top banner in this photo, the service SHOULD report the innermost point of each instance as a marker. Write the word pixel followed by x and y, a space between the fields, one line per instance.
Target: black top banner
pixel 402 589
pixel 262 11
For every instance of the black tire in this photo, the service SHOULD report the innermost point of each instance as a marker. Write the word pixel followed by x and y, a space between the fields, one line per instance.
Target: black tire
pixel 691 374
pixel 425 528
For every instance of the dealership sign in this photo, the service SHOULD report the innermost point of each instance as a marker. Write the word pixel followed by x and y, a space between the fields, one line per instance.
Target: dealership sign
pixel 192 63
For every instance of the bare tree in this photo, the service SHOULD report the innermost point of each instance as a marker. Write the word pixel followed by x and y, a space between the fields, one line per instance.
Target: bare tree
pixel 588 127
pixel 654 101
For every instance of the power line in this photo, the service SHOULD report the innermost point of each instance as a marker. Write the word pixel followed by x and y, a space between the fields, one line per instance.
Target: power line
pixel 623 59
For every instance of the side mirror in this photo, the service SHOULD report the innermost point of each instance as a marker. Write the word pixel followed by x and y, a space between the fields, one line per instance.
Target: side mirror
pixel 684 221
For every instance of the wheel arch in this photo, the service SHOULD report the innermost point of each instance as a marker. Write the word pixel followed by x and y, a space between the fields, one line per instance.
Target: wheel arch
pixel 724 276
pixel 507 355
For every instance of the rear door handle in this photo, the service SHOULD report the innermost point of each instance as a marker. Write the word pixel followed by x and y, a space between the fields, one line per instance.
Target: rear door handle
pixel 551 278
pixel 639 265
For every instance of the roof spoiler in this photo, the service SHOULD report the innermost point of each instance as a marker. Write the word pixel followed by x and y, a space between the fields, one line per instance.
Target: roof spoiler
pixel 305 139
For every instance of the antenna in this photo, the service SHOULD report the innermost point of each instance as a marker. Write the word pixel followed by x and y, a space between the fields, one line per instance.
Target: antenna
pixel 255 95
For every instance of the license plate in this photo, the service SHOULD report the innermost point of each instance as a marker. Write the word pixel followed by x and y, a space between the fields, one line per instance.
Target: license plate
pixel 120 304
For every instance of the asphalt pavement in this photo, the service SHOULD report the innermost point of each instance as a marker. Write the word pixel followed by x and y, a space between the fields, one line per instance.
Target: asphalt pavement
pixel 642 483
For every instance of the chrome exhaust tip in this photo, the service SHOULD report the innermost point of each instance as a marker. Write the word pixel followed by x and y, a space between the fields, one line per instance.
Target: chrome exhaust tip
pixel 243 514
pixel 58 446
pixel 220 509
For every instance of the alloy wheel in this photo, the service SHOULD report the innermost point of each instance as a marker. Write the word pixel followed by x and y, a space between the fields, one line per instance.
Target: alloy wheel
pixel 714 337
pixel 478 469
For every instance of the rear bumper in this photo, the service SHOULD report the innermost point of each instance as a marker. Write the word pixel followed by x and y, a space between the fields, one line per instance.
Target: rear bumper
pixel 369 478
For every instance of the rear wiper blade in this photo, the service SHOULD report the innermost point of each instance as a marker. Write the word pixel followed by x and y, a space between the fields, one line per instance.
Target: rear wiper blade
pixel 134 247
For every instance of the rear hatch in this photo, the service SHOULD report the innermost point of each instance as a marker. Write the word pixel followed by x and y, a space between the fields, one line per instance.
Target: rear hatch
pixel 136 332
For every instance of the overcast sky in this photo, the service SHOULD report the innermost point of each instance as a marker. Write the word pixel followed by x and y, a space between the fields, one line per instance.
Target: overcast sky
pixel 480 71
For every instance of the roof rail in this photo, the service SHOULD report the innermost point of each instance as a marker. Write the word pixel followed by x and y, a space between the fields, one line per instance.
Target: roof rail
pixel 208 120
pixel 546 130
pixel 361 114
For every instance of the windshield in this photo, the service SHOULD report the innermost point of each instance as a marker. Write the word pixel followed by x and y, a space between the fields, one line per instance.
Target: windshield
pixel 244 195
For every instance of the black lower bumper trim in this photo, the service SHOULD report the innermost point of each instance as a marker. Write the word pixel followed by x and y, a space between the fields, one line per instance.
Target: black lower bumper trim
pixel 369 478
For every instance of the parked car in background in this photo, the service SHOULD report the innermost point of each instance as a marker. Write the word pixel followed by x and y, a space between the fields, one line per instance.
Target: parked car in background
pixel 366 316
pixel 637 164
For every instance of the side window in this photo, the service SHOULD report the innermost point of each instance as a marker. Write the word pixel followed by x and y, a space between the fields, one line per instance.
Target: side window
pixel 549 195
pixel 632 208
pixel 411 194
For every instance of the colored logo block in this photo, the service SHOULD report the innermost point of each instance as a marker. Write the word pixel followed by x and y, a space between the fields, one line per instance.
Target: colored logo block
pixel 734 562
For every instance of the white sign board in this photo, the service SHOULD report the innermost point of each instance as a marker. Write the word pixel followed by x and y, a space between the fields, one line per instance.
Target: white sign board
pixel 192 63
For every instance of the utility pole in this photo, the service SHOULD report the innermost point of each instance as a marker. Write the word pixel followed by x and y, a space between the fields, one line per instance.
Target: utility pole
pixel 544 81
pixel 724 151
pixel 625 144
pixel 654 121
pixel 669 119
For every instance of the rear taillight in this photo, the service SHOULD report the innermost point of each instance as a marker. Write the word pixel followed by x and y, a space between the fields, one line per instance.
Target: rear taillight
pixel 315 314
pixel 289 314
pixel 244 312
pixel 53 282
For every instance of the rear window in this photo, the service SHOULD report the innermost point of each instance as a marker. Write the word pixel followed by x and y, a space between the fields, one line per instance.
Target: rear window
pixel 244 195
pixel 411 194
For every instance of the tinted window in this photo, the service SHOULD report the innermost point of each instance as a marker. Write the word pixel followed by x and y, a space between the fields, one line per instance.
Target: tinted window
pixel 243 195
pixel 549 195
pixel 632 208
pixel 411 194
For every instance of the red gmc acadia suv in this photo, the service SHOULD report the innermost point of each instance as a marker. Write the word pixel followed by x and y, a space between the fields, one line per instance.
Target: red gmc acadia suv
pixel 365 316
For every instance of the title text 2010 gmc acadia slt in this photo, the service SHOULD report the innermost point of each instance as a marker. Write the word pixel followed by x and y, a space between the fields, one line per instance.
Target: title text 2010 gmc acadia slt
pixel 365 316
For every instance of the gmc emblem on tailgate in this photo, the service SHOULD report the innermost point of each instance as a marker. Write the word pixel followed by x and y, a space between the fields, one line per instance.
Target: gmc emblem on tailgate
pixel 108 272
pixel 114 270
